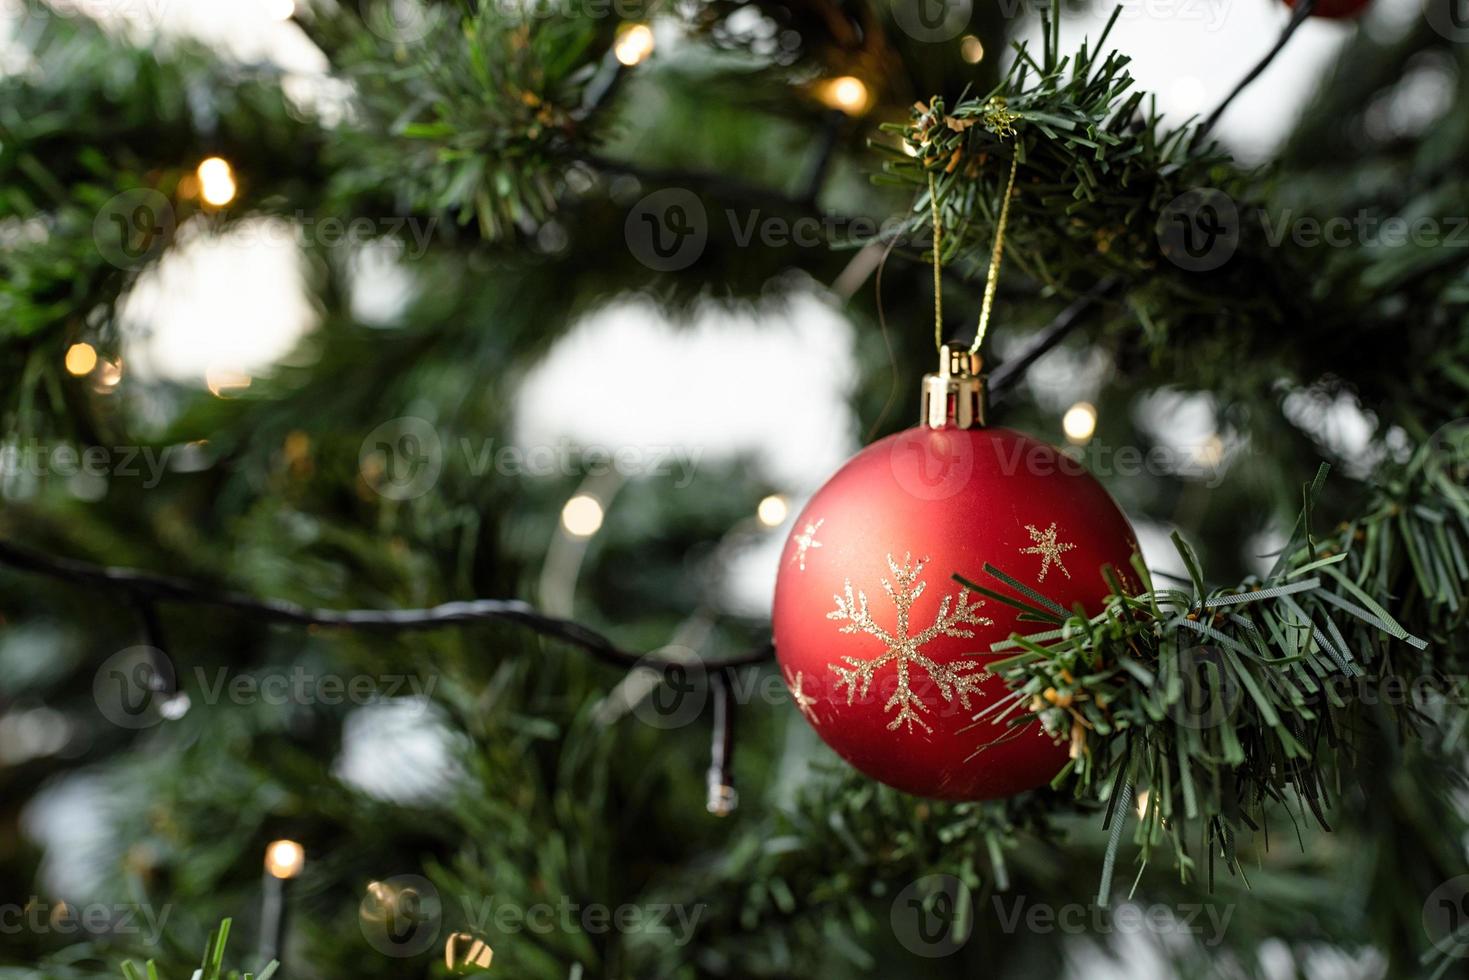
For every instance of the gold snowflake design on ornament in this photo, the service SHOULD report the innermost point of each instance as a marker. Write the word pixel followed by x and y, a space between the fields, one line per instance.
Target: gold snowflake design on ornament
pixel 1048 548
pixel 805 541
pixel 804 701
pixel 904 651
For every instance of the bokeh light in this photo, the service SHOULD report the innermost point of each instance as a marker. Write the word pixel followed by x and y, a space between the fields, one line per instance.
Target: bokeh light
pixel 773 510
pixel 1080 422
pixel 80 359
pixel 216 182
pixel 582 516
pixel 634 45
pixel 847 93
pixel 284 859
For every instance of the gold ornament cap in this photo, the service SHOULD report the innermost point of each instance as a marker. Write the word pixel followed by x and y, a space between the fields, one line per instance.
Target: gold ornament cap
pixel 954 396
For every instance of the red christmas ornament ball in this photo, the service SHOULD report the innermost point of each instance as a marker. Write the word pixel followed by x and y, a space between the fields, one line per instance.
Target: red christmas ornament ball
pixel 1335 9
pixel 884 653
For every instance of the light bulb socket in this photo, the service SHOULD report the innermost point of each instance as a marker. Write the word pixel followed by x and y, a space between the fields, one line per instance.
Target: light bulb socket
pixel 954 396
pixel 723 798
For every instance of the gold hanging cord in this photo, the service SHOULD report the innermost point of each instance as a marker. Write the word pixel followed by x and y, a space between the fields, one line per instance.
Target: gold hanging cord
pixel 999 120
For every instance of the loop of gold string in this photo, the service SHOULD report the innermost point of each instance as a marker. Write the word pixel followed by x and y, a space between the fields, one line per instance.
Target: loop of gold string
pixel 993 279
pixel 938 285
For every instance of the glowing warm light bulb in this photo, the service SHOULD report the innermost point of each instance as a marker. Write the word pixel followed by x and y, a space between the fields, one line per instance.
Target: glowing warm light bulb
pixel 634 45
pixel 1079 422
pixel 80 359
pixel 216 182
pixel 582 516
pixel 284 859
pixel 280 9
pixel 971 49
pixel 772 510
pixel 109 374
pixel 846 93
pixel 1211 451
pixel 221 381
pixel 1142 804
pixel 464 951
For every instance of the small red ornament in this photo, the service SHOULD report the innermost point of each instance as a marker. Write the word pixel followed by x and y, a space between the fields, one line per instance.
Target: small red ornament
pixel 883 651
pixel 1335 9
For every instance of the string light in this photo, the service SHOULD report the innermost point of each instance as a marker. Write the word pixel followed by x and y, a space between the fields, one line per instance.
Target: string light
pixel 1080 422
pixel 1210 452
pixel 772 510
pixel 381 895
pixel 634 44
pixel 582 516
pixel 280 9
pixel 80 359
pixel 216 182
pixel 847 93
pixel 1142 804
pixel 222 381
pixel 465 950
pixel 284 859
pixel 971 49
pixel 109 375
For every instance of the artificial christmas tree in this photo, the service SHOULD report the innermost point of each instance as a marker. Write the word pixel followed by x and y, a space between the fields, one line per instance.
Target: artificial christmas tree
pixel 503 683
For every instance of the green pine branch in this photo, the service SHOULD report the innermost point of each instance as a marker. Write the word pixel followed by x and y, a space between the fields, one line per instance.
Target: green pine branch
pixel 1100 178
pixel 211 967
pixel 1222 703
